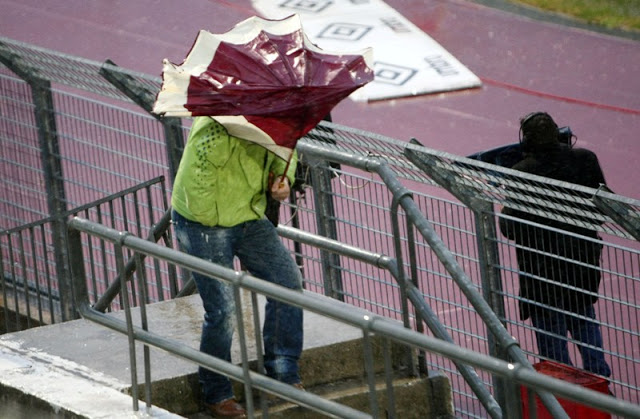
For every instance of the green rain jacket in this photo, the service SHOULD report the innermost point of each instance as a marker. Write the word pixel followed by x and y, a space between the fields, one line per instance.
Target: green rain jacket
pixel 223 180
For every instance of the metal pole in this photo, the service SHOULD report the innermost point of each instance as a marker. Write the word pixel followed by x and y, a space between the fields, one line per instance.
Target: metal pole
pixel 325 218
pixel 51 166
pixel 134 90
pixel 506 393
pixel 494 325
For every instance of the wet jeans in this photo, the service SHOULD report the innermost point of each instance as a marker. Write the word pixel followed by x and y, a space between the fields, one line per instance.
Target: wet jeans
pixel 263 254
pixel 552 338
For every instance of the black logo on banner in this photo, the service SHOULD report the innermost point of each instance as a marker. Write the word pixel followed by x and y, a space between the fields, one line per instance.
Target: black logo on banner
pixel 392 74
pixel 344 31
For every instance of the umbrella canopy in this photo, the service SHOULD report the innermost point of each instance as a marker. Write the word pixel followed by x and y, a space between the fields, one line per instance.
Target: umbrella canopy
pixel 263 80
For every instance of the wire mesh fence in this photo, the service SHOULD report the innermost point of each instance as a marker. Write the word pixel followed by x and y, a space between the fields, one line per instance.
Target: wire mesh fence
pixel 23 197
pixel 105 145
pixel 35 270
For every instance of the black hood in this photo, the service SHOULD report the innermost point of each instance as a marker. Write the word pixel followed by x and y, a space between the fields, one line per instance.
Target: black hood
pixel 538 132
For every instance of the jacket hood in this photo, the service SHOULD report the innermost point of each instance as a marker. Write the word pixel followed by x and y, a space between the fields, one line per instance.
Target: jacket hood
pixel 538 131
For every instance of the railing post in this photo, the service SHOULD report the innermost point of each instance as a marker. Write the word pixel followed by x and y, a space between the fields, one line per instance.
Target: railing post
pixel 54 183
pixel 77 274
pixel 506 394
pixel 399 195
pixel 495 325
pixel 44 114
pixel 325 218
pixel 133 89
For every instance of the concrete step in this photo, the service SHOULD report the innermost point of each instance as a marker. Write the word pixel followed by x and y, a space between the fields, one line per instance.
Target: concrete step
pixel 327 358
pixel 415 398
pixel 339 361
pixel 64 366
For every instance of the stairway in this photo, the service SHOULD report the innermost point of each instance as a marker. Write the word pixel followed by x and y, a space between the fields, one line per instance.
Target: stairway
pixel 332 366
pixel 79 369
pixel 336 372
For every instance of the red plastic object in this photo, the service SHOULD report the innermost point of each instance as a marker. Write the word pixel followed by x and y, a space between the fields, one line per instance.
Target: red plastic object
pixel 572 375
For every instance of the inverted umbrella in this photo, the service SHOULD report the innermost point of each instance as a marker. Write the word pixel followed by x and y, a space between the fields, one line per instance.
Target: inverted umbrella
pixel 263 80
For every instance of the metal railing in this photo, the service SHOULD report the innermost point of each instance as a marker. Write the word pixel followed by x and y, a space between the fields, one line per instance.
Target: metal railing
pixel 412 293
pixel 367 322
pixel 414 218
pixel 480 187
pixel 105 144
pixel 35 266
pixel 470 232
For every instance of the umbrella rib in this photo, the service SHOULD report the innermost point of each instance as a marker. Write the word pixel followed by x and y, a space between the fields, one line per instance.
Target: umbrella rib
pixel 283 58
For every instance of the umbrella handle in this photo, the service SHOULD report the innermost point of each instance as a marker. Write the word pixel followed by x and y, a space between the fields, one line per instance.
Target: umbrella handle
pixel 286 169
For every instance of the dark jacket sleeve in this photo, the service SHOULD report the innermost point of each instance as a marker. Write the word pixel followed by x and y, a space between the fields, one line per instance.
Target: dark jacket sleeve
pixel 594 176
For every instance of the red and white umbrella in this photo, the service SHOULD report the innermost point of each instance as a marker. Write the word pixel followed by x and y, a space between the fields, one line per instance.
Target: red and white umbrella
pixel 263 80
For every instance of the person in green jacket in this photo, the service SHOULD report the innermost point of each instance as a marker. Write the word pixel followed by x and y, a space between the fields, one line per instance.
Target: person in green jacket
pixel 219 200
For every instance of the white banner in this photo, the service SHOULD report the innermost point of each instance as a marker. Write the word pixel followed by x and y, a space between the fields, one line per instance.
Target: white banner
pixel 407 62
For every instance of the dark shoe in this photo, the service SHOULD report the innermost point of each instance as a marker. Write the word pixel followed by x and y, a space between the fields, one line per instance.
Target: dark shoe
pixel 229 409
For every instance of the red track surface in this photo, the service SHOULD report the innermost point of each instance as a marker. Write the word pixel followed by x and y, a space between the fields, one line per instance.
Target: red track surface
pixel 584 79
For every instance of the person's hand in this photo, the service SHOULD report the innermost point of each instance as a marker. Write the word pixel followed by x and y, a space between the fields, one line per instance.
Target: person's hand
pixel 280 188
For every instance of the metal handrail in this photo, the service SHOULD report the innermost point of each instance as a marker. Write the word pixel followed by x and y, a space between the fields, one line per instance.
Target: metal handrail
pixel 413 293
pixel 157 231
pixel 413 213
pixel 361 319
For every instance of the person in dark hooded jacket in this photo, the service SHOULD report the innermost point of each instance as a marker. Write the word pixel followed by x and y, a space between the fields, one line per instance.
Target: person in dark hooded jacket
pixel 559 274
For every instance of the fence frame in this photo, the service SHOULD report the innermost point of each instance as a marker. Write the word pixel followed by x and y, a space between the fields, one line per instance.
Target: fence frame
pixel 66 305
pixel 369 323
pixel 472 188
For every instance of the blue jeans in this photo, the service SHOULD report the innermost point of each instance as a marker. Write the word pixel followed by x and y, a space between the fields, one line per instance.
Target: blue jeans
pixel 552 338
pixel 262 253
